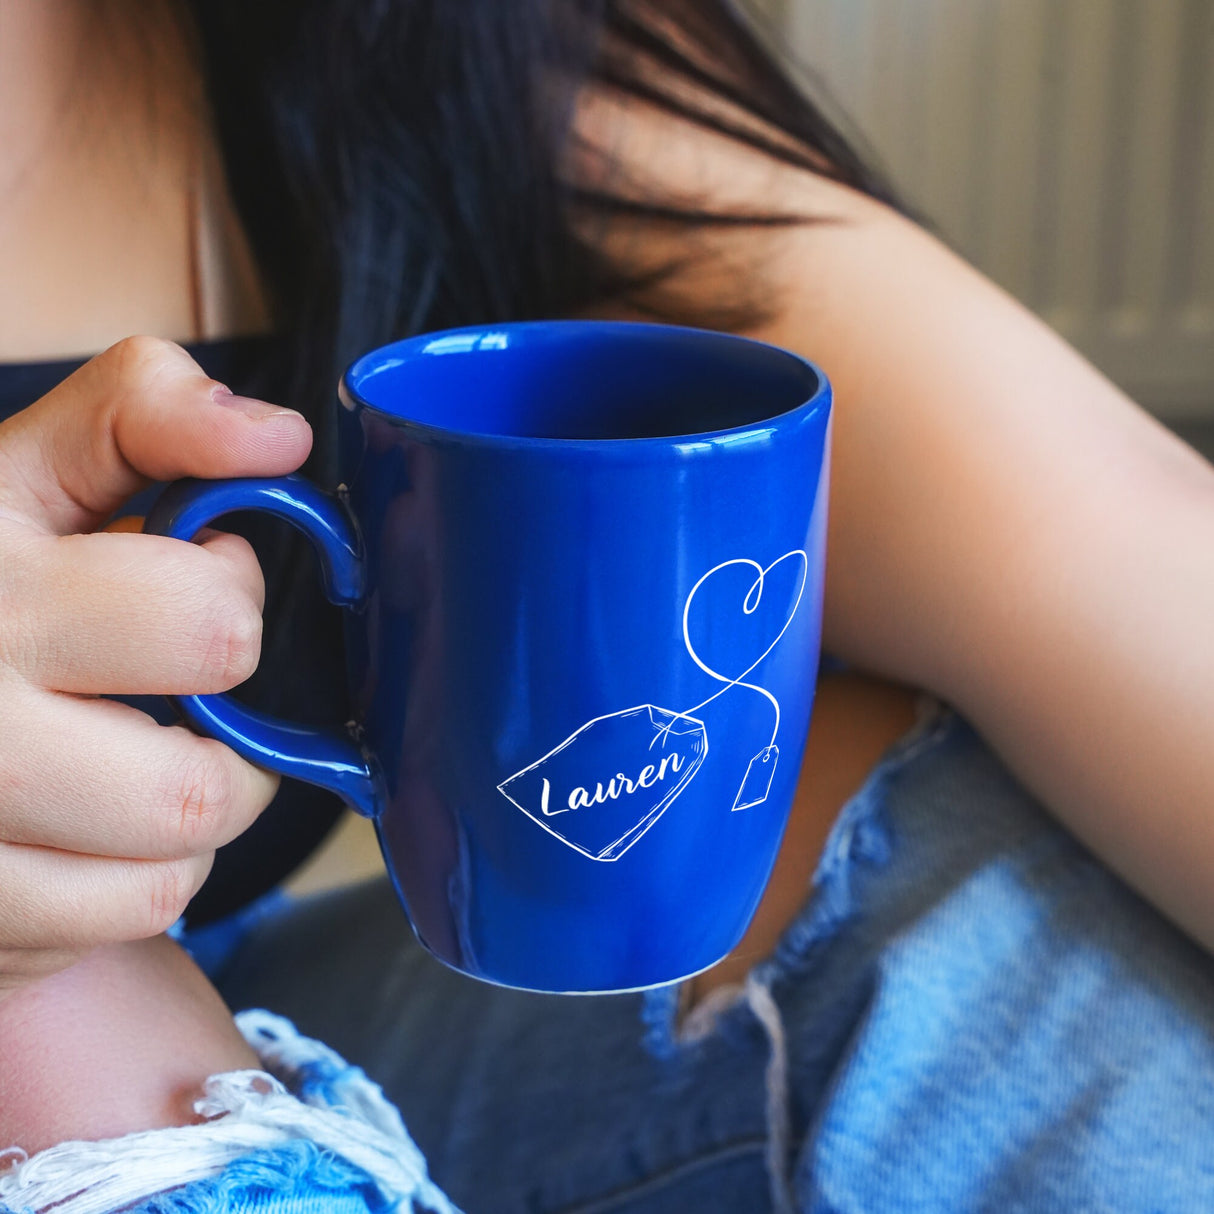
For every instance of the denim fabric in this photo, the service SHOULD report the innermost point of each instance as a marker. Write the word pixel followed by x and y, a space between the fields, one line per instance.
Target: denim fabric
pixel 310 1132
pixel 970 1013
pixel 213 944
pixel 298 1179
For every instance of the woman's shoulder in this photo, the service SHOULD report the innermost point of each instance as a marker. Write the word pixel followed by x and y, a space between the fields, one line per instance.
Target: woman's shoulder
pixel 1008 530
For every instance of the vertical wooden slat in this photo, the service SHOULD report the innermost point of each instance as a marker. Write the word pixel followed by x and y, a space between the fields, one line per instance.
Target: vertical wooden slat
pixel 1042 250
pixel 1088 30
pixel 1066 146
pixel 901 88
pixel 1198 306
pixel 843 44
pixel 956 97
pixel 1192 87
pixel 1012 162
pixel 863 51
pixel 1148 173
pixel 804 23
pixel 820 42
pixel 823 27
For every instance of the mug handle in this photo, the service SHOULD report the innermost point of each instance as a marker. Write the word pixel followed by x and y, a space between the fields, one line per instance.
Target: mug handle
pixel 318 756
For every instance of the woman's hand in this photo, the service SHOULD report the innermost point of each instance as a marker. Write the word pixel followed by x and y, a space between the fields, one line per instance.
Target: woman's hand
pixel 108 821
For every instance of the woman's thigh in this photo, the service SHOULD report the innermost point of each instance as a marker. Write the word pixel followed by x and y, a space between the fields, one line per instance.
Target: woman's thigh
pixel 969 1013
pixel 519 1101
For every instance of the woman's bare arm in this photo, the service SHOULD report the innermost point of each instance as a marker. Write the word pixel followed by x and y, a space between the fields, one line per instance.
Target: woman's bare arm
pixel 1007 529
pixel 1011 532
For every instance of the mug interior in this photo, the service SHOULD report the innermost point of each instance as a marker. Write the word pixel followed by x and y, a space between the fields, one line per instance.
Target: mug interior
pixel 582 380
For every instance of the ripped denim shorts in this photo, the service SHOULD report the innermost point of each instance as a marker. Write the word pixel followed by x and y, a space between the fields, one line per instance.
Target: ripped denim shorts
pixel 307 1133
pixel 970 1013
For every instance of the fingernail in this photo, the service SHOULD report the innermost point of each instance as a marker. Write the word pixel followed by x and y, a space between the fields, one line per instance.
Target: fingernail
pixel 259 410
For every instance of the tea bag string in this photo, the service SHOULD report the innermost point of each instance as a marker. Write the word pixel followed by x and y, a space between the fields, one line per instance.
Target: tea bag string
pixel 749 605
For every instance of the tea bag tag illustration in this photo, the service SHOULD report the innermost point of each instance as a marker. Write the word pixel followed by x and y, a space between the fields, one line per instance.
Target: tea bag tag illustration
pixel 606 784
pixel 756 784
pixel 610 780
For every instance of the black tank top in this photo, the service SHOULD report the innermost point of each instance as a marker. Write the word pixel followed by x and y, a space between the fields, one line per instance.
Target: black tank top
pixel 309 687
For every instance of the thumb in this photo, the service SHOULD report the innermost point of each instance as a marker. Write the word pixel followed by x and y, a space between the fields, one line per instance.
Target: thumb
pixel 142 411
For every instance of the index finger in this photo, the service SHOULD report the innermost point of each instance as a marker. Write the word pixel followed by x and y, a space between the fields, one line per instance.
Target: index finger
pixel 142 411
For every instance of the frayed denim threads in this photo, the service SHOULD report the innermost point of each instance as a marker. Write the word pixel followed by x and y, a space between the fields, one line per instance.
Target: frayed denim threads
pixel 295 1178
pixel 858 841
pixel 334 1140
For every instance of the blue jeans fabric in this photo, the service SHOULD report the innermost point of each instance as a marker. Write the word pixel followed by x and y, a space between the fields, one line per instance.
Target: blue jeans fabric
pixel 305 1132
pixel 970 1013
pixel 299 1179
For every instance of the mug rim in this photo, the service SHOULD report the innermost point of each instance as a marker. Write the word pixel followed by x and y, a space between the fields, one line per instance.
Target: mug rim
pixel 819 400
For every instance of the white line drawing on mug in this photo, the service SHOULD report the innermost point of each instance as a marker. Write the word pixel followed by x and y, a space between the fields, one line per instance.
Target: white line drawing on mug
pixel 625 818
pixel 677 766
pixel 757 777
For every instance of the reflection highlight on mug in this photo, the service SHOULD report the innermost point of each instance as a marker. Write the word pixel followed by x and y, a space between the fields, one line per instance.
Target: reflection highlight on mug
pixel 603 787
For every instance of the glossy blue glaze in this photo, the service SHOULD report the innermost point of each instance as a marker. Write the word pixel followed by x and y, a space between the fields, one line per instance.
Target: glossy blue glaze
pixel 339 764
pixel 584 656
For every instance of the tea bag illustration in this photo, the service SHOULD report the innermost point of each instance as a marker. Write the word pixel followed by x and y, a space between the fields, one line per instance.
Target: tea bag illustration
pixel 610 780
pixel 606 784
pixel 756 784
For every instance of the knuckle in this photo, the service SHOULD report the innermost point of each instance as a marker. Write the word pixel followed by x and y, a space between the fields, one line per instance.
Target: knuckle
pixel 171 885
pixel 200 802
pixel 240 559
pixel 244 643
pixel 19 599
pixel 14 787
pixel 244 560
pixel 229 646
pixel 139 358
pixel 20 649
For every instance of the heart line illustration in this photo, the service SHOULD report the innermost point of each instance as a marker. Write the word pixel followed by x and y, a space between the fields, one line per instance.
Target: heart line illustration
pixel 749 607
pixel 600 810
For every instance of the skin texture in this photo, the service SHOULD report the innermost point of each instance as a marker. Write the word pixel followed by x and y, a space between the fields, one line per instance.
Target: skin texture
pixel 107 821
pixel 136 1066
pixel 1049 547
pixel 106 839
pixel 72 877
pixel 1006 530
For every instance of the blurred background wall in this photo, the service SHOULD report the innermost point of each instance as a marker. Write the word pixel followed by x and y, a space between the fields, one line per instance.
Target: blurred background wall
pixel 1066 147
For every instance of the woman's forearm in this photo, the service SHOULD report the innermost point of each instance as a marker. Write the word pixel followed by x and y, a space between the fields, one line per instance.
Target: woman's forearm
pixel 1104 701
pixel 1010 532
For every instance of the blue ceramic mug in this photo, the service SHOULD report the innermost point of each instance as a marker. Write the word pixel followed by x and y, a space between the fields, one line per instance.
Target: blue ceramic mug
pixel 583 568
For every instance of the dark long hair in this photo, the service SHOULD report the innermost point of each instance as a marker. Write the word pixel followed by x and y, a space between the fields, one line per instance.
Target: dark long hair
pixel 402 166
pixel 398 163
